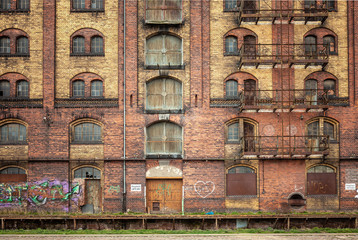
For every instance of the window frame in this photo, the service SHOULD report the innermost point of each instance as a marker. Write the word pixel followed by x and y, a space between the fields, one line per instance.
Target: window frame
pixel 321 130
pixel 240 133
pixel 334 52
pixel 22 45
pixel 82 168
pixel 26 90
pixel 5 45
pixel 81 122
pixel 233 9
pixel 162 109
pixel 76 45
pixel 87 6
pixel 163 8
pixel 75 88
pixel 235 51
pixel 22 129
pixel 95 45
pixel 166 65
pixel 240 178
pixel 92 88
pixel 8 90
pixel 316 177
pixel 155 155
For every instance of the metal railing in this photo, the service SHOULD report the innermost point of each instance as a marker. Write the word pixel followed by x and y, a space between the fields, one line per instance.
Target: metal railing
pixel 284 145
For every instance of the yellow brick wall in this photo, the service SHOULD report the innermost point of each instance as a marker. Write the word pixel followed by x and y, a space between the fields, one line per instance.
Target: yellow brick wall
pixel 31 23
pixel 338 64
pixel 222 66
pixel 14 152
pixel 86 152
pixel 143 32
pixel 67 67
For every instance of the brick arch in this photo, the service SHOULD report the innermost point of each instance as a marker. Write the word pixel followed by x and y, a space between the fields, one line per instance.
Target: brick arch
pixel 13 34
pixel 320 33
pixel 163 33
pixel 87 77
pixel 240 77
pixel 239 33
pixel 88 34
pixel 13 78
pixel 321 76
pixel 161 121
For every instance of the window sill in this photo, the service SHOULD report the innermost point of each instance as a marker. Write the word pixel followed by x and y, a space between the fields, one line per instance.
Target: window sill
pixel 13 143
pixel 87 143
pixel 15 11
pixel 149 22
pixel 159 67
pixel 241 196
pixel 164 156
pixel 87 54
pixel 173 111
pixel 232 54
pixel 88 10
pixel 231 10
pixel 86 98
pixel 14 55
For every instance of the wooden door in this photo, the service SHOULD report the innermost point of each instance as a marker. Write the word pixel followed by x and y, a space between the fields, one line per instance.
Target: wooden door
pixel 311 92
pixel 92 196
pixel 164 195
pixel 250 92
pixel 249 136
pixel 250 47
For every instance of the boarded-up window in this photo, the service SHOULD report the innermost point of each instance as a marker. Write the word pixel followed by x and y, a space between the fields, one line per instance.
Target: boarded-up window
pixel 88 172
pixel 164 50
pixel 164 138
pixel 87 132
pixel 13 133
pixel 241 181
pixel 13 174
pixel 321 180
pixel 164 94
pixel 164 11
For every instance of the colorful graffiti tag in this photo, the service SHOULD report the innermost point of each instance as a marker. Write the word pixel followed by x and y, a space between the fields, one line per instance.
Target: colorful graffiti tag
pixel 37 193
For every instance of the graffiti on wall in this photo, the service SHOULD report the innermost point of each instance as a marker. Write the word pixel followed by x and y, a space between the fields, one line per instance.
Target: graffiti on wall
pixel 116 189
pixel 37 193
pixel 204 189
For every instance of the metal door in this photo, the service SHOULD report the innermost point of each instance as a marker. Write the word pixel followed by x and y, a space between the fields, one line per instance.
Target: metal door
pixel 250 47
pixel 249 136
pixel 164 195
pixel 92 196
pixel 250 92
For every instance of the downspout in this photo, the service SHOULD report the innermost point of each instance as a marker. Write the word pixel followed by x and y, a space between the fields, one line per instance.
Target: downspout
pixel 124 205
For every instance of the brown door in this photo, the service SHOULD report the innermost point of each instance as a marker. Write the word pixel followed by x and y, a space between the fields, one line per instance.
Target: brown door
pixel 249 136
pixel 250 47
pixel 250 8
pixel 164 195
pixel 92 196
pixel 249 92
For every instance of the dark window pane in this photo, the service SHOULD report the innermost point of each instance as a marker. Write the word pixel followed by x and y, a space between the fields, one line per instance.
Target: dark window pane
pixel 13 133
pixel 22 89
pixel 97 45
pixel 96 88
pixel 4 89
pixel 231 45
pixel 310 45
pixel 78 4
pixel 87 132
pixel 231 89
pixel 23 4
pixel 328 129
pixel 88 172
pixel 329 86
pixel 5 4
pixel 97 4
pixel 329 43
pixel 311 92
pixel 230 4
pixel 4 45
pixel 78 88
pixel 78 45
pixel 241 169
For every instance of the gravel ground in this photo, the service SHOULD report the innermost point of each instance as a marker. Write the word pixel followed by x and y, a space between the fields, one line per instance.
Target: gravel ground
pixel 309 236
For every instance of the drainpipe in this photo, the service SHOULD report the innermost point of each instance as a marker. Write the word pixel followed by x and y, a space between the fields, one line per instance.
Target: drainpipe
pixel 124 205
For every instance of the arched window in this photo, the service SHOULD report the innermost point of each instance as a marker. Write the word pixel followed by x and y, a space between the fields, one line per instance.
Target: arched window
pixel 330 4
pixel 310 45
pixel 164 11
pixel 78 45
pixel 96 4
pixel 241 180
pixel 4 45
pixel 330 44
pixel 231 89
pixel 96 88
pixel 12 170
pixel 231 5
pixel 4 89
pixel 164 50
pixel 5 4
pixel 164 94
pixel 231 45
pixel 321 180
pixel 78 4
pixel 97 45
pixel 329 86
pixel 22 45
pixel 242 131
pixel 22 89
pixel 13 133
pixel 23 4
pixel 88 172
pixel 78 88
pixel 87 133
pixel 164 138
pixel 321 127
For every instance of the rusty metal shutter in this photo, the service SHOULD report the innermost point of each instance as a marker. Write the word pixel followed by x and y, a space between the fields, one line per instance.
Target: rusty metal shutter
pixel 321 183
pixel 5 178
pixel 241 184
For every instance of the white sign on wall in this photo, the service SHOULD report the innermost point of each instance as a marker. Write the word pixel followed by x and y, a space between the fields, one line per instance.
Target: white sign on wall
pixel 136 187
pixel 350 186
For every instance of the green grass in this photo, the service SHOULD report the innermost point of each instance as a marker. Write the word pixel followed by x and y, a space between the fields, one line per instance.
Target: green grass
pixel 142 231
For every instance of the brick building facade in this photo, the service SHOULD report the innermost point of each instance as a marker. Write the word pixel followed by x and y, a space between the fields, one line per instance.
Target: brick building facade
pixel 178 105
